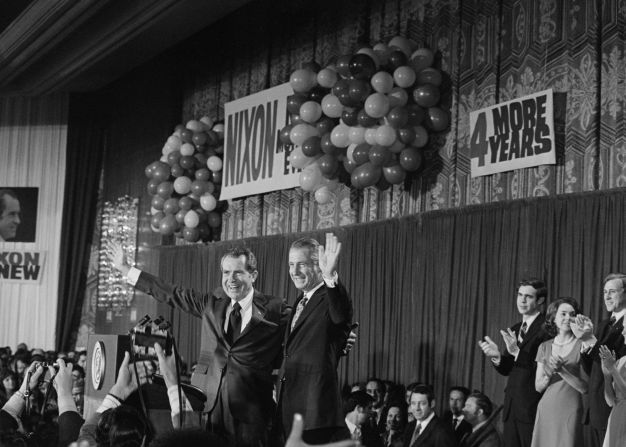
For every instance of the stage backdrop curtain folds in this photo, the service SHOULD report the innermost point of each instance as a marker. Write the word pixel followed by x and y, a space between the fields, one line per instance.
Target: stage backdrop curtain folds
pixel 85 150
pixel 427 288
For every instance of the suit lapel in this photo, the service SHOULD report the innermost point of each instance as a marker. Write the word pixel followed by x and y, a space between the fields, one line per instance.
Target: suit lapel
pixel 258 312
pixel 426 433
pixel 314 301
pixel 218 313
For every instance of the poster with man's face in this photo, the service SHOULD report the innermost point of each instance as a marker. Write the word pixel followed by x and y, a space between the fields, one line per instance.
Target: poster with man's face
pixel 18 214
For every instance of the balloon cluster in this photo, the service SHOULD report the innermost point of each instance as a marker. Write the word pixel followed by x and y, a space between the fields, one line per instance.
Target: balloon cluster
pixel 185 182
pixel 364 119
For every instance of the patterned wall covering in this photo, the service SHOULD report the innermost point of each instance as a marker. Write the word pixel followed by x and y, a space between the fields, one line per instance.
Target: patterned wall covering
pixel 493 51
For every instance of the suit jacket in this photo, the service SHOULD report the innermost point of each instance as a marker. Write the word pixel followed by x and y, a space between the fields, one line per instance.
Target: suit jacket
pixel 461 430
pixel 598 411
pixel 308 382
pixel 485 436
pixel 396 439
pixel 520 396
pixel 436 434
pixel 245 367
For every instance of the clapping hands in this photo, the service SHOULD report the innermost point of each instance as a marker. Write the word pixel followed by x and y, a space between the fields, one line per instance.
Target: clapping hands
pixel 510 340
pixel 581 326
pixel 607 360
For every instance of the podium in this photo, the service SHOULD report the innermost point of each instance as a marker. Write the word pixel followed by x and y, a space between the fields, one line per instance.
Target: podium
pixel 105 354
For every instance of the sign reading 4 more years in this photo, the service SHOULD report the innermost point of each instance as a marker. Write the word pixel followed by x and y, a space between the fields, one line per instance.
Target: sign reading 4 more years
pixel 512 135
pixel 255 161
pixel 21 266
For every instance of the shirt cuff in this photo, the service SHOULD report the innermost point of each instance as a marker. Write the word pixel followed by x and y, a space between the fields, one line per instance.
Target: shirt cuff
pixel 66 403
pixel 133 276
pixel 15 405
pixel 331 281
pixel 108 403
pixel 496 361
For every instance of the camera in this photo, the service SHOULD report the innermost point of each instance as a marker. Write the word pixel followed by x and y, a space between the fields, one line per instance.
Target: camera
pixel 148 332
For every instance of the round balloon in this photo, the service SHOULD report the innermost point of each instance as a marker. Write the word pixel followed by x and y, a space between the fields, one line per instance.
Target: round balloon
pixel 208 202
pixel 377 105
pixel 426 95
pixel 322 195
pixel 310 111
pixel 312 146
pixel 421 58
pixel 340 136
pixel 303 80
pixel 192 219
pixel 410 159
pixel 438 119
pixel 331 106
pixel 429 76
pixel 382 82
pixel 182 185
pixel 301 132
pixel 327 77
pixel 394 173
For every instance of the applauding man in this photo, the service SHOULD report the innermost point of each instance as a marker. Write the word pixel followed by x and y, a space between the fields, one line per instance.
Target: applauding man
pixel 518 363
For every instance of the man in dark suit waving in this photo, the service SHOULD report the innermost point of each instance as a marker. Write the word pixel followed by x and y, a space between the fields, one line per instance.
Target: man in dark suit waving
pixel 242 331
pixel 518 363
pixel 314 338
pixel 427 430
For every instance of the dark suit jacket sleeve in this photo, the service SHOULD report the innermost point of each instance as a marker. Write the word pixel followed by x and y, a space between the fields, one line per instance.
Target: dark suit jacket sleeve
pixel 69 427
pixel 187 300
pixel 339 304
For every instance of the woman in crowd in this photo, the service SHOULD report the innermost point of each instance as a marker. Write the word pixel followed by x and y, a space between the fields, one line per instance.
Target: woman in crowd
pixel 8 385
pixel 615 395
pixel 561 378
pixel 395 422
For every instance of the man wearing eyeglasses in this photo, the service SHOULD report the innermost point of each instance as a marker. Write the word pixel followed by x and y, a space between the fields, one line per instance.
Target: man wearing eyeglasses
pixel 609 334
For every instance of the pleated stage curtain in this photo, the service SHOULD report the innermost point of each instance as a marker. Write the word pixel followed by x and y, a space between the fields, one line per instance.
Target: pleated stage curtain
pixel 33 133
pixel 427 288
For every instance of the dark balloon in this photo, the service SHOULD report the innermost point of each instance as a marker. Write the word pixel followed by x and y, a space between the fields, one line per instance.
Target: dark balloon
pixel 343 65
pixel 317 94
pixel 295 101
pixel 379 155
pixel 360 154
pixel 155 220
pixel 191 234
pixel 185 203
pixel 171 206
pixel 165 189
pixel 362 66
pixel 406 135
pixel 368 175
pixel 438 119
pixel 410 159
pixel 349 165
pixel 187 136
pixel 199 138
pixel 168 225
pixel 312 147
pixel 328 165
pixel 394 174
pixel 416 115
pixel 341 86
pixel 150 169
pixel 161 172
pixel 284 134
pixel 398 117
pixel 365 120
pixel 327 145
pixel 157 202
pixel 325 125
pixel 426 95
pixel 177 170
pixel 203 174
pixel 214 219
pixel 152 186
pixel 314 66
pixel 295 118
pixel 359 90
pixel 396 59
pixel 187 162
pixel 173 157
pixel 205 231
pixel 350 117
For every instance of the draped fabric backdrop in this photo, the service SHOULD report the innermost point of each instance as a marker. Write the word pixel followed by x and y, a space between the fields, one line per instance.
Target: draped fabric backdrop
pixel 426 288
pixel 33 133
pixel 492 51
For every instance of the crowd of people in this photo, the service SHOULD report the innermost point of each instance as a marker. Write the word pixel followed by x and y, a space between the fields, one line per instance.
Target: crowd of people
pixel 562 373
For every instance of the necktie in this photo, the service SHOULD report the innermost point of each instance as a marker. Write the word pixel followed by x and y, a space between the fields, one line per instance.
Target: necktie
pixel 612 320
pixel 416 433
pixel 522 332
pixel 356 434
pixel 299 309
pixel 455 422
pixel 234 324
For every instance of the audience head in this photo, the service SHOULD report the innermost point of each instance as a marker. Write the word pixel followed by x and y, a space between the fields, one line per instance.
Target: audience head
pixel 359 406
pixel 477 408
pixel 81 359
pixel 8 381
pixel 303 264
pixel 531 294
pixel 376 388
pixel 239 272
pixel 122 426
pixel 422 402
pixel 456 399
pixel 409 390
pixel 559 313
pixel 615 292
pixel 9 214
pixel 357 386
pixel 395 417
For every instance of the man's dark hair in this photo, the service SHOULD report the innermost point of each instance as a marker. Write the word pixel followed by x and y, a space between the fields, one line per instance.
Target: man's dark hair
pixel 537 284
pixel 426 390
pixel 5 192
pixel 465 391
pixel 549 324
pixel 612 276
pixel 382 387
pixel 122 426
pixel 236 252
pixel 357 399
pixel 482 402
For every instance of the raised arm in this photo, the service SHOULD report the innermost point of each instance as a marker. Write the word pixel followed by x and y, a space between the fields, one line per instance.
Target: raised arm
pixel 340 304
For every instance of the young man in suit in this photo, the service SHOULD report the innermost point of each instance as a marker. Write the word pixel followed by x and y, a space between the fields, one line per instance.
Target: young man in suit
pixel 314 338
pixel 478 410
pixel 242 330
pixel 427 430
pixel 454 416
pixel 518 363
pixel 609 334
pixel 360 411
